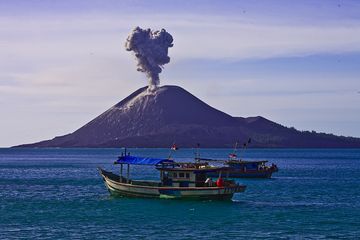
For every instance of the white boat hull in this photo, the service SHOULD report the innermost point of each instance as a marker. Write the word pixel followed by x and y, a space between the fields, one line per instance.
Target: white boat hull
pixel 127 189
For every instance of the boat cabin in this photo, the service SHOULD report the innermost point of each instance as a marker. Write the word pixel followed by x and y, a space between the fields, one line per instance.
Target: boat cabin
pixel 246 165
pixel 187 174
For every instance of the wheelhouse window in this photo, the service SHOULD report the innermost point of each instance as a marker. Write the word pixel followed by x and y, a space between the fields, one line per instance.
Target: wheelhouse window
pixel 174 175
pixel 181 175
pixel 187 175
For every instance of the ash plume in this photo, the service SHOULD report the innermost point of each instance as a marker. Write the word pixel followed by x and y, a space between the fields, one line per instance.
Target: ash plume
pixel 151 52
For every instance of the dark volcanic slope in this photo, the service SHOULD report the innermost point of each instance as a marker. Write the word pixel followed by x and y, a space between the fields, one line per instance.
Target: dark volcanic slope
pixel 156 119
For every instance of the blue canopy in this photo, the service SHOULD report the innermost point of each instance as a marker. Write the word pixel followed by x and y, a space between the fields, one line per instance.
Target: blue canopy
pixel 141 160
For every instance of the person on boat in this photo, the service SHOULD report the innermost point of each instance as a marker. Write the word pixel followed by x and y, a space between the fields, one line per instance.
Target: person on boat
pixel 208 182
pixel 220 182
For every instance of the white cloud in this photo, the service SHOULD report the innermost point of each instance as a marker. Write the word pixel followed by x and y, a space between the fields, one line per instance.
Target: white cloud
pixel 195 36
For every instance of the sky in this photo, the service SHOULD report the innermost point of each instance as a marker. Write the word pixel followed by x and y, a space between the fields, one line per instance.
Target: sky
pixel 62 63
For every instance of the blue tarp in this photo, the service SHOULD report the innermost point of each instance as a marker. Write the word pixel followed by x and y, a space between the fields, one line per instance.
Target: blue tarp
pixel 141 160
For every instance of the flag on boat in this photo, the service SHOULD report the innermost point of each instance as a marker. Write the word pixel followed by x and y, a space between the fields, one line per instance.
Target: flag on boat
pixel 174 147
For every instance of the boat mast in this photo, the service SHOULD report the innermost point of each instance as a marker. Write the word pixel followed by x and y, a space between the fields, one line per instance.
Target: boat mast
pixel 121 166
pixel 123 154
pixel 197 153
pixel 171 149
pixel 128 173
pixel 235 147
pixel 233 155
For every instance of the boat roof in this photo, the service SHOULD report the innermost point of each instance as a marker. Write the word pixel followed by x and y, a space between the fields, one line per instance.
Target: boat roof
pixel 132 160
pixel 190 167
pixel 243 162
pixel 230 161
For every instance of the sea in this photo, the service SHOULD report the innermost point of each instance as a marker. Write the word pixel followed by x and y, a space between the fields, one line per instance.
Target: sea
pixel 59 194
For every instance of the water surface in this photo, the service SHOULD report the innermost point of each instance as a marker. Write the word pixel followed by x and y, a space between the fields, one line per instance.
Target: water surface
pixel 58 193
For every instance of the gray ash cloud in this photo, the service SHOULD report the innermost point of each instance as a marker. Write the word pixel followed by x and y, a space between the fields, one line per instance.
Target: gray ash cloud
pixel 151 51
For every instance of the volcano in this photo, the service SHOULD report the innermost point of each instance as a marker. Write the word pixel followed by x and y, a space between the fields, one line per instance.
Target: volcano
pixel 171 114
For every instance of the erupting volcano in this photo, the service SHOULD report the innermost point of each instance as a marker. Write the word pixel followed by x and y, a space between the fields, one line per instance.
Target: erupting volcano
pixel 170 113
pixel 156 116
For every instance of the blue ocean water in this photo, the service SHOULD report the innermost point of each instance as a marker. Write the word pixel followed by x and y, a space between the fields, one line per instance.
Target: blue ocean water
pixel 58 194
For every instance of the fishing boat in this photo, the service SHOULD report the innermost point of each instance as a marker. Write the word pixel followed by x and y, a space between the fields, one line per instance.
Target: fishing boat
pixel 177 180
pixel 243 169
pixel 238 168
pixel 250 169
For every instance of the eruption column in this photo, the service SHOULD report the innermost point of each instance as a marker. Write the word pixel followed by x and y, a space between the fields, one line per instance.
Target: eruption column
pixel 151 52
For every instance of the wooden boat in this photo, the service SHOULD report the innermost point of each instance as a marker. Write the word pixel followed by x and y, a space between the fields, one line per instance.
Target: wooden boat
pixel 244 169
pixel 238 168
pixel 177 180
pixel 250 169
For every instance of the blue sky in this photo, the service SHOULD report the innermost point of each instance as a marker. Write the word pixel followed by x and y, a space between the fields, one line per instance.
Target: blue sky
pixel 62 63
